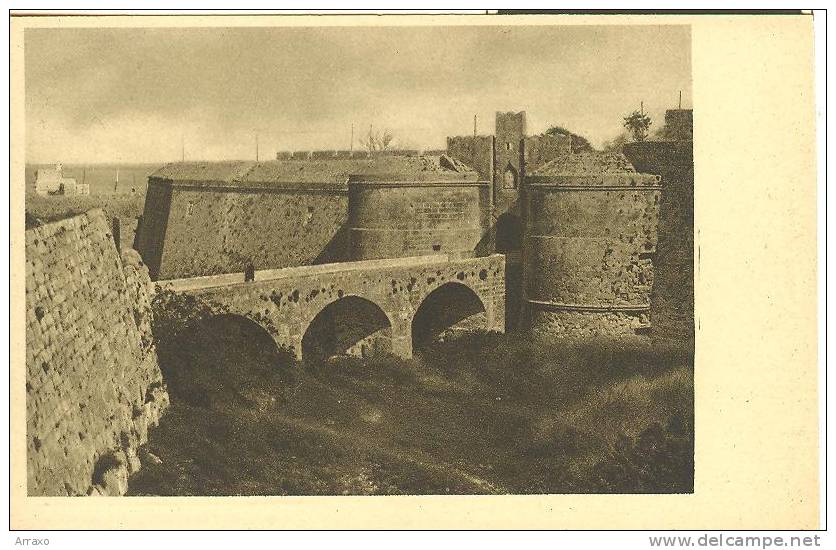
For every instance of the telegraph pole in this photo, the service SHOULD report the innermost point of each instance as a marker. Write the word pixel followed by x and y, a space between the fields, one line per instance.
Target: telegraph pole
pixel 351 147
pixel 680 99
pixel 473 144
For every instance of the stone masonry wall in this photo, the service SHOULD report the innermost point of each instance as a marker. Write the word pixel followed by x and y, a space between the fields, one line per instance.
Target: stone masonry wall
pixel 216 230
pixel 474 151
pixel 285 302
pixel 509 167
pixel 539 150
pixel 589 249
pixel 402 220
pixel 93 386
pixel 344 154
pixel 672 296
pixel 151 229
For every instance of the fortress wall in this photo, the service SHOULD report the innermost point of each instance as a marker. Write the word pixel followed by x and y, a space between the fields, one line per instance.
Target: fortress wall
pixel 401 220
pixel 672 297
pixel 150 232
pixel 127 233
pixel 538 150
pixel 679 124
pixel 475 151
pixel 215 229
pixel 346 154
pixel 93 386
pixel 588 252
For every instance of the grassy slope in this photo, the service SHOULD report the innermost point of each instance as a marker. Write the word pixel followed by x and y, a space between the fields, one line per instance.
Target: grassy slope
pixel 46 209
pixel 484 414
pixel 52 208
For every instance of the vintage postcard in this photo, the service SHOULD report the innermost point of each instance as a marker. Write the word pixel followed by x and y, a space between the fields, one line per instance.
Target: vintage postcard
pixel 412 259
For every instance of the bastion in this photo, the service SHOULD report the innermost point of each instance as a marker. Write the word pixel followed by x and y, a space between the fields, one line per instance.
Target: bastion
pixel 221 217
pixel 402 215
pixel 590 236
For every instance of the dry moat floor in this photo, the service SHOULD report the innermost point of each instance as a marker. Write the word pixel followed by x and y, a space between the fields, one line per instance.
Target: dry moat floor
pixel 483 413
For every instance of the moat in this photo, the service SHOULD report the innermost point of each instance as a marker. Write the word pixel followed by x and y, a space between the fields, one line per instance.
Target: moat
pixel 477 414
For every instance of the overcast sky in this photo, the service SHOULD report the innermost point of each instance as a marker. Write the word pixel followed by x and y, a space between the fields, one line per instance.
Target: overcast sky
pixel 131 95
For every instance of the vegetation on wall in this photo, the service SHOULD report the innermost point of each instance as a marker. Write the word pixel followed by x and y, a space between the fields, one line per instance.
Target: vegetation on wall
pixel 46 209
pixel 579 143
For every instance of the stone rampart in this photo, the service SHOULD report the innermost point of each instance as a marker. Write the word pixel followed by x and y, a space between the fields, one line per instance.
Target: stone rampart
pixel 672 296
pixel 93 385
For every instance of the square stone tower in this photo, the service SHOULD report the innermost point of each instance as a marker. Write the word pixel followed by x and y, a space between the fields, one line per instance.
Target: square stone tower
pixel 508 159
pixel 679 124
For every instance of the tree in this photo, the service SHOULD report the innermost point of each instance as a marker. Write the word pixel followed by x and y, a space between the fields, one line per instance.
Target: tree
pixel 638 124
pixel 377 141
pixel 579 143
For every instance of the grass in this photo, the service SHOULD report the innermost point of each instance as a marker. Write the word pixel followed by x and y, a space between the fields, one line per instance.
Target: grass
pixel 484 413
pixel 45 209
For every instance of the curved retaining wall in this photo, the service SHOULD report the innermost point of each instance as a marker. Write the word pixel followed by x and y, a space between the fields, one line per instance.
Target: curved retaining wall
pixel 93 385
pixel 588 248
pixel 403 219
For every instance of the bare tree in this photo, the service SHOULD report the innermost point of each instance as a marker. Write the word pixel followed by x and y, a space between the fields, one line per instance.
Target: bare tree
pixel 377 141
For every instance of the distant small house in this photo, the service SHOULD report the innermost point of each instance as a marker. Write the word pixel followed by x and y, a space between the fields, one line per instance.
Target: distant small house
pixel 51 181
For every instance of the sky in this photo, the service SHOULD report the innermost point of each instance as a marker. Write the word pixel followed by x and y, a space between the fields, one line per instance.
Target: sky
pixel 147 94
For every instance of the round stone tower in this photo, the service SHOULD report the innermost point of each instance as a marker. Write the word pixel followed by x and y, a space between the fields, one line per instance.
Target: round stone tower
pixel 589 239
pixel 442 208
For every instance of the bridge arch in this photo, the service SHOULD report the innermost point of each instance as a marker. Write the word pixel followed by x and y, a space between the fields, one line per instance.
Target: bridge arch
pixel 452 306
pixel 350 325
pixel 214 350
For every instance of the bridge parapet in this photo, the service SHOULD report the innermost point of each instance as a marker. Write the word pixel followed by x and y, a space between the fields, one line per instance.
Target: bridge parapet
pixel 358 307
pixel 228 279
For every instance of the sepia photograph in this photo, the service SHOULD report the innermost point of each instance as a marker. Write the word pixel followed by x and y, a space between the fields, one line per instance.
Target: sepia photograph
pixel 277 269
pixel 367 259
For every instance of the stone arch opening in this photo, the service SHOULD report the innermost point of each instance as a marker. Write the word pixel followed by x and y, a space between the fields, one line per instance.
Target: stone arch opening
pixel 447 310
pixel 210 359
pixel 508 233
pixel 349 326
pixel 509 177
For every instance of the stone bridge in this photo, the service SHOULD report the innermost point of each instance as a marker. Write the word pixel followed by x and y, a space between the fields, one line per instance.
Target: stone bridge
pixel 357 308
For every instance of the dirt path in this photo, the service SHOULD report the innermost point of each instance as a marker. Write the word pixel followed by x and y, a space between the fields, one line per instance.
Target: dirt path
pixel 414 457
